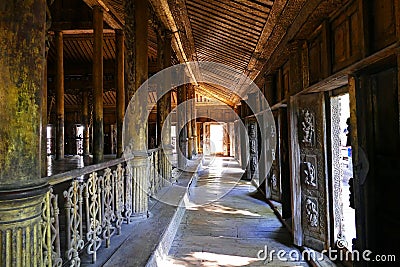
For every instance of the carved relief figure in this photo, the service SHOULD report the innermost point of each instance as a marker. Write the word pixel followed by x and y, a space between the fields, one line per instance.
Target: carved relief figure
pixel 274 182
pixel 252 130
pixel 253 163
pixel 311 213
pixel 253 149
pixel 308 127
pixel 309 174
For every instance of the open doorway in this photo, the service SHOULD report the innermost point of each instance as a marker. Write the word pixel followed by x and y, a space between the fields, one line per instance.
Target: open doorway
pixel 342 170
pixel 217 139
pixel 79 138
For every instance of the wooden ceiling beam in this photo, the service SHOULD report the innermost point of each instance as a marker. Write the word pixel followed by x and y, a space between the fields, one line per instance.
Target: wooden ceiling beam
pixel 224 36
pixel 221 57
pixel 232 46
pixel 223 15
pixel 163 11
pixel 264 7
pixel 249 12
pixel 233 12
pixel 218 51
pixel 84 32
pixel 217 31
pixel 111 17
pixel 208 21
pixel 211 94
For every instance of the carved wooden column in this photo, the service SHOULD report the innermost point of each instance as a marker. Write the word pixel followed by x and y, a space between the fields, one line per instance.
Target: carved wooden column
pixel 44 121
pixel 120 109
pixel 181 126
pixel 85 121
pixel 243 141
pixel 189 114
pixel 22 190
pixel 136 69
pixel 98 131
pixel 163 110
pixel 59 96
pixel 193 122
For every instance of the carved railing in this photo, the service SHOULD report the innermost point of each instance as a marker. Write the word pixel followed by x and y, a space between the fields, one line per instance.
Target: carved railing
pixel 86 207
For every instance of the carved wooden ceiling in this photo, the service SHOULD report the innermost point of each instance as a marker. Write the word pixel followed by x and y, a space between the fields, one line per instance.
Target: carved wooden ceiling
pixel 250 36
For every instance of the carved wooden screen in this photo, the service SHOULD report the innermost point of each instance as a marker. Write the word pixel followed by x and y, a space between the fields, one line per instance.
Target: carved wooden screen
pixel 336 170
pixel 252 171
pixel 308 171
pixel 274 176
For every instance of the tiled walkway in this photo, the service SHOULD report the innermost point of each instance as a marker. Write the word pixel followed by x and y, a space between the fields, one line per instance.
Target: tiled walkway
pixel 232 228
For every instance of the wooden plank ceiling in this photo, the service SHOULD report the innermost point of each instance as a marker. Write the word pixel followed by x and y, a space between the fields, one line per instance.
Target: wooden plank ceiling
pixel 227 31
pixel 247 35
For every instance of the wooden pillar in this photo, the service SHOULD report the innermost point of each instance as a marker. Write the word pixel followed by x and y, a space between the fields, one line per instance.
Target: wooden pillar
pixel 194 124
pixel 85 121
pixel 59 96
pixel 242 138
pixel 189 121
pixel 98 131
pixel 22 190
pixel 44 122
pixel 136 70
pixel 166 103
pixel 160 103
pixel 181 126
pixel 120 109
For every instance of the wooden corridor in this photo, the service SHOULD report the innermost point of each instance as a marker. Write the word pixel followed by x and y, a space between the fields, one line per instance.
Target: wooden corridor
pixel 231 230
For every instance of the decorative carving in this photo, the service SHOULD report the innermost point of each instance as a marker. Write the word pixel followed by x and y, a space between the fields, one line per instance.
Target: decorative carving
pixel 73 206
pixel 93 215
pixel 128 193
pixel 309 174
pixel 308 127
pixel 253 164
pixel 108 184
pixel 311 209
pixel 274 182
pixel 54 232
pixel 252 130
pixel 253 147
pixel 336 166
pixel 119 196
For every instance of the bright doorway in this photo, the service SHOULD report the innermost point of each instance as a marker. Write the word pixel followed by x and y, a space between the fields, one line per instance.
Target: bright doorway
pixel 342 169
pixel 217 139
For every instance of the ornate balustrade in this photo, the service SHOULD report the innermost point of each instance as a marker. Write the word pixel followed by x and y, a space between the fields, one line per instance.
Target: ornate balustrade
pixel 86 207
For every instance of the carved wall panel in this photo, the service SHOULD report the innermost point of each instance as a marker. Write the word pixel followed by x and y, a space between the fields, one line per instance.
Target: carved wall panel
pixel 253 149
pixel 309 170
pixel 311 212
pixel 307 128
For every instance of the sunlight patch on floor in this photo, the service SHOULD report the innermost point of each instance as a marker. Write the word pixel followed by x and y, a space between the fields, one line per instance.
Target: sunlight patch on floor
pixel 228 210
pixel 210 259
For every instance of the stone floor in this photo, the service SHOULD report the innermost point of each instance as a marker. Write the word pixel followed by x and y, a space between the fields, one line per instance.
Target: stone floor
pixel 228 223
